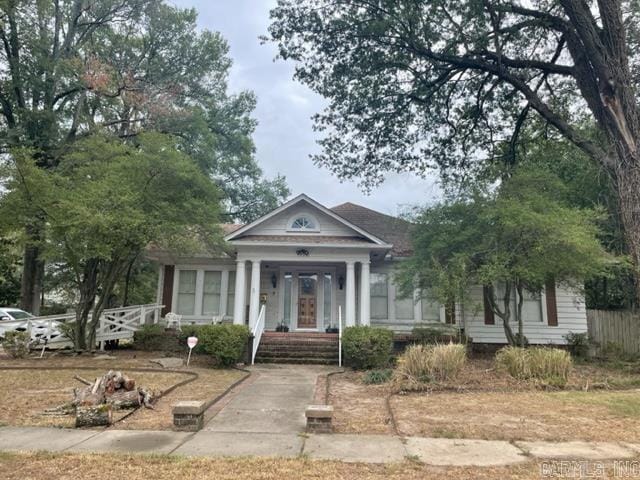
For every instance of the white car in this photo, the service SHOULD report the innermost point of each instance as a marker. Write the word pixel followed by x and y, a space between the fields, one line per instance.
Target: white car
pixel 19 320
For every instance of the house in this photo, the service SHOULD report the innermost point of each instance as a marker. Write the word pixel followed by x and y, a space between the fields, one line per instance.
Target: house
pixel 308 264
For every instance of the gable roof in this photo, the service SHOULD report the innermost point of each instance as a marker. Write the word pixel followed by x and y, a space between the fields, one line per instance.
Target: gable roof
pixel 239 233
pixel 393 230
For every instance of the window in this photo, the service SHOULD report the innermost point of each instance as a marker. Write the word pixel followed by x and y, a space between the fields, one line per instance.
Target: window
pixel 531 306
pixel 231 294
pixel 404 308
pixel 186 292
pixel 304 222
pixel 288 284
pixel 327 299
pixel 379 296
pixel 211 293
pixel 430 309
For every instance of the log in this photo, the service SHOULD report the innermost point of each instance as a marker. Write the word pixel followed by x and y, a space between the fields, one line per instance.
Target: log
pixel 94 416
pixel 82 380
pixel 86 397
pixel 124 399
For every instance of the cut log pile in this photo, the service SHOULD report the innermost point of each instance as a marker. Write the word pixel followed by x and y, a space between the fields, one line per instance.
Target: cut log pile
pixel 93 404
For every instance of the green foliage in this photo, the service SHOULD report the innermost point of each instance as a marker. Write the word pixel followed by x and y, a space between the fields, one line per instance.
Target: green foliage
pixel 9 271
pixel 225 343
pixel 579 344
pixel 367 347
pixel 550 366
pixel 155 338
pixel 420 365
pixel 518 236
pixel 433 335
pixel 16 344
pixel 377 377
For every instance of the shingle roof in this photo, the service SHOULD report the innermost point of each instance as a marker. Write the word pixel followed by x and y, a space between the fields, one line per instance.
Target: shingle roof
pixel 390 229
pixel 228 228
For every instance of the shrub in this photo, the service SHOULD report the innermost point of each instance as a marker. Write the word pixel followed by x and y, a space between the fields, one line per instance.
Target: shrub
pixel 367 347
pixel 433 335
pixel 551 366
pixel 16 344
pixel 225 343
pixel 578 343
pixel 156 338
pixel 377 377
pixel 423 364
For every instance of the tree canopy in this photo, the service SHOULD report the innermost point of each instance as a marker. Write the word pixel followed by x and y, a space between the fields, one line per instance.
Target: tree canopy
pixel 104 204
pixel 414 85
pixel 512 240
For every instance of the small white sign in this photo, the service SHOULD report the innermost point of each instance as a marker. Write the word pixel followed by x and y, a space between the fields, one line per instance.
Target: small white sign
pixel 192 342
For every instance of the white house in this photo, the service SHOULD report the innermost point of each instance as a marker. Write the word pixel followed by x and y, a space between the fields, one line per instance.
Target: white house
pixel 305 262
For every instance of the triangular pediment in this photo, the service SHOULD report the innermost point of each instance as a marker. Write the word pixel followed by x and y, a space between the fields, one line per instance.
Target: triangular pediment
pixel 300 218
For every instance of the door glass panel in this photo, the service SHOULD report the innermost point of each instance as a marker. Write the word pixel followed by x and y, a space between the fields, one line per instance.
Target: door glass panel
pixel 288 282
pixel 327 300
pixel 307 287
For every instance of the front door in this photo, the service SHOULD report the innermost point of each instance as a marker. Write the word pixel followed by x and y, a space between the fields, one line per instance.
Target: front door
pixel 307 300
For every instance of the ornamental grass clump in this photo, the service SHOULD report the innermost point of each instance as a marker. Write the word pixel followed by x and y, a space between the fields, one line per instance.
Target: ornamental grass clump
pixel 421 365
pixel 549 366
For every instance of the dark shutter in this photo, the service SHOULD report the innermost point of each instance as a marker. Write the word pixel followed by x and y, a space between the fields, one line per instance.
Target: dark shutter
pixel 552 305
pixel 489 316
pixel 167 289
pixel 450 313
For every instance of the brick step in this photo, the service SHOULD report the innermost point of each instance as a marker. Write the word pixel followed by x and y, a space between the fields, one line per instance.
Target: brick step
pixel 305 335
pixel 298 361
pixel 296 354
pixel 300 346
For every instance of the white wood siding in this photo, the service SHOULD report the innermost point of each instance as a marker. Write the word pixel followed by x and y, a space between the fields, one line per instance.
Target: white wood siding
pixel 279 224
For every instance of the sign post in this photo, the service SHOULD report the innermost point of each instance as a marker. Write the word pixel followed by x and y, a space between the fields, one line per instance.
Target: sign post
pixel 191 342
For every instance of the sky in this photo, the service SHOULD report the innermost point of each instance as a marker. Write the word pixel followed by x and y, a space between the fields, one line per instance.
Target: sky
pixel 284 137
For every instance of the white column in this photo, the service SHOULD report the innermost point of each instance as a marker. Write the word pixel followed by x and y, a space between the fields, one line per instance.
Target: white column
pixel 350 301
pixel 365 297
pixel 239 299
pixel 254 299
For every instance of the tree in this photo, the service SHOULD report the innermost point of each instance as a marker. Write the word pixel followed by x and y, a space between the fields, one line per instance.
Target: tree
pixel 104 203
pixel 73 68
pixel 416 84
pixel 512 241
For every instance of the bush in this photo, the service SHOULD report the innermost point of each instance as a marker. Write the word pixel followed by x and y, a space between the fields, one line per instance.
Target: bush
pixel 579 344
pixel 551 366
pixel 156 338
pixel 433 335
pixel 225 343
pixel 16 344
pixel 423 364
pixel 367 347
pixel 377 377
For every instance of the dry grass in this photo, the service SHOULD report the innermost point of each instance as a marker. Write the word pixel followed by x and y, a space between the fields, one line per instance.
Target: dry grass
pixel 27 393
pixel 421 365
pixel 557 416
pixel 24 466
pixel 485 403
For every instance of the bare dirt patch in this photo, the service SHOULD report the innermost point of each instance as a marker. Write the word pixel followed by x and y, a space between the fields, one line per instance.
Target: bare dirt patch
pixel 27 393
pixel 599 404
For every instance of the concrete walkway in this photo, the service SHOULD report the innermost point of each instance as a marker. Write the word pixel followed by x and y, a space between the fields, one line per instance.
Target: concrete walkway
pixel 346 448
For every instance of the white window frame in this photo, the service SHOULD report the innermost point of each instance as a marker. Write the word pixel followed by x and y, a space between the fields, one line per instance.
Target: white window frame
pixel 293 218
pixel 200 269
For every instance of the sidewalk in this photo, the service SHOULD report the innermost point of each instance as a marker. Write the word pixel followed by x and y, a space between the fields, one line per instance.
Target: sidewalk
pixel 346 448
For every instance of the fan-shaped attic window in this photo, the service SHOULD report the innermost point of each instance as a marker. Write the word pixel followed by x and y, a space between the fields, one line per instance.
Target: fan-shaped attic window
pixel 304 223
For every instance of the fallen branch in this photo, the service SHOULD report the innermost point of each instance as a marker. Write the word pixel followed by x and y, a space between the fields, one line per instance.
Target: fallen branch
pixel 82 380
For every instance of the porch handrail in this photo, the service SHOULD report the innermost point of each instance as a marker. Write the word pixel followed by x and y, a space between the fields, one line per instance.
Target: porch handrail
pixel 258 329
pixel 340 335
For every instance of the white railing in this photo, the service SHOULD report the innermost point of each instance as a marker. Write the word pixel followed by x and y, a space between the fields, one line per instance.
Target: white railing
pixel 114 324
pixel 340 335
pixel 258 329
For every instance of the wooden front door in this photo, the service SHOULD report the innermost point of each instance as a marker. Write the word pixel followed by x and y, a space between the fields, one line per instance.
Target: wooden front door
pixel 307 300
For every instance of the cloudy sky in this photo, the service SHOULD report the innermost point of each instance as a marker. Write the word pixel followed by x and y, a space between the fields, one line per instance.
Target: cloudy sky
pixel 284 137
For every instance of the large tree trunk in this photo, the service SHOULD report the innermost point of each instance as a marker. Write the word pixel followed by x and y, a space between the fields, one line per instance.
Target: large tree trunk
pixel 32 279
pixel 628 179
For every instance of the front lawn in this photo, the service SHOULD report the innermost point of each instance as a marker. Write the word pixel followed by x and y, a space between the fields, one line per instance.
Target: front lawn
pixel 27 393
pixel 599 403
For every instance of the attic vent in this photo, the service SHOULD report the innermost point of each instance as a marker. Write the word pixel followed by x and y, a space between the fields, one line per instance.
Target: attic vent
pixel 303 222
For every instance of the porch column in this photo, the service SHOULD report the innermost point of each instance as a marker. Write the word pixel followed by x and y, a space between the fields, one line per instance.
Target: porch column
pixel 254 299
pixel 350 319
pixel 239 299
pixel 365 298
